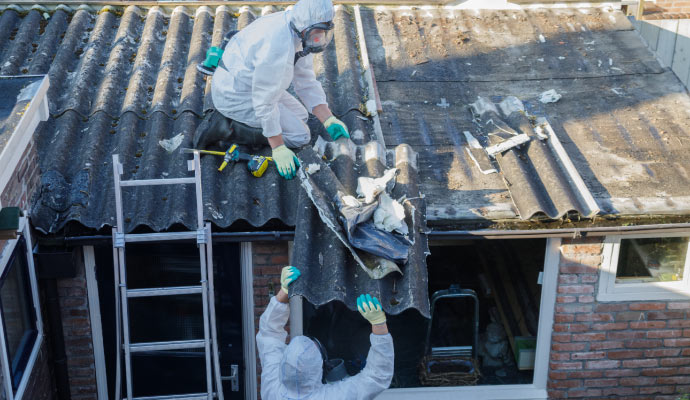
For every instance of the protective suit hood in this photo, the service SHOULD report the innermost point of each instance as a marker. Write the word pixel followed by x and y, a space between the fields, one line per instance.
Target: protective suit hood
pixel 301 368
pixel 306 13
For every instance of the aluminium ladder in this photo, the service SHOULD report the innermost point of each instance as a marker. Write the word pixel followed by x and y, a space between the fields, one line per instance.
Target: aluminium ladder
pixel 202 235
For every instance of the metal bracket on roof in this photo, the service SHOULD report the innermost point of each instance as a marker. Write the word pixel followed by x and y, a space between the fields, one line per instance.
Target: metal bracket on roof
pixel 201 236
pixel 119 240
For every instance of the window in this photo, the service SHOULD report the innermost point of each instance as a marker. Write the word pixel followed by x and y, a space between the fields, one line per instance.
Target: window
pixel 21 329
pixel 645 267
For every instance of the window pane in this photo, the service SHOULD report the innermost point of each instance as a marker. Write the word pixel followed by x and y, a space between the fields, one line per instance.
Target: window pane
pixel 18 312
pixel 652 260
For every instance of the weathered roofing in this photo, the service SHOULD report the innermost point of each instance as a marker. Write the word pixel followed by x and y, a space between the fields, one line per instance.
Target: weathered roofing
pixel 122 80
pixel 16 94
pixel 622 119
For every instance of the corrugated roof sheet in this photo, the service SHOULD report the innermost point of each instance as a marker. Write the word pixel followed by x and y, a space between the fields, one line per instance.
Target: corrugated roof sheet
pixel 121 81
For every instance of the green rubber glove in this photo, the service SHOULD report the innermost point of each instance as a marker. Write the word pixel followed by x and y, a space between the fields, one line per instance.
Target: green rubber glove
pixel 336 128
pixel 286 161
pixel 371 309
pixel 287 276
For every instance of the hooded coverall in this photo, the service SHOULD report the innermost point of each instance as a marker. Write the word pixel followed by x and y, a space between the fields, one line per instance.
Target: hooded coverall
pixel 257 68
pixel 294 371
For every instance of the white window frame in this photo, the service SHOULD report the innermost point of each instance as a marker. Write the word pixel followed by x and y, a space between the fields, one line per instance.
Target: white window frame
pixel 536 390
pixel 609 290
pixel 4 358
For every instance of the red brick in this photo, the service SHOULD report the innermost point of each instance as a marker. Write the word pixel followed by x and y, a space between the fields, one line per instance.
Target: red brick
pixel 674 362
pixel 589 278
pixel 566 384
pixel 623 354
pixel 560 356
pixel 608 307
pixel 638 381
pixel 630 316
pixel 575 268
pixel 679 323
pixel 573 308
pixel 563 318
pixel 642 343
pixel 556 394
pixel 602 364
pixel 594 317
pixel 568 279
pixel 561 337
pixel 620 391
pixel 588 393
pixel 555 375
pixel 686 352
pixel 587 337
pixel 648 324
pixel 568 346
pixel 673 380
pixel 585 374
pixel 571 328
pixel 565 365
pixel 679 305
pixel 600 382
pixel 627 335
pixel 586 299
pixel 663 352
pixel 647 306
pixel 659 371
pixel 620 372
pixel 566 299
pixel 685 342
pixel 641 363
pixel 665 314
pixel 589 355
pixel 576 289
pixel 609 344
pixel 664 334
pixel 657 390
pixel 610 326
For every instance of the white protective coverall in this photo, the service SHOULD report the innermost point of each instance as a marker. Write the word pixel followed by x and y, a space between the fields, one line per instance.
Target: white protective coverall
pixel 259 67
pixel 294 371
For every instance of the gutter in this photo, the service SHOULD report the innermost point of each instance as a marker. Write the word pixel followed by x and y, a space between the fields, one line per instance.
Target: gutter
pixel 235 237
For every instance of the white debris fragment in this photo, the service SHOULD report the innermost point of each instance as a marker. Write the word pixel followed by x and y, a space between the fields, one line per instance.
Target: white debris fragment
pixel 357 134
pixel 468 63
pixel 413 73
pixel 165 173
pixel 542 38
pixel 351 201
pixel 539 130
pixel 87 165
pixel 471 140
pixel 369 188
pixel 510 105
pixel 171 144
pixel 313 168
pixel 390 215
pixel 589 43
pixel 617 91
pixel 610 61
pixel 550 96
pixel 443 103
pixel 507 144
pixel 540 59
pixel 561 58
pixel 371 107
pixel 599 62
pixel 616 69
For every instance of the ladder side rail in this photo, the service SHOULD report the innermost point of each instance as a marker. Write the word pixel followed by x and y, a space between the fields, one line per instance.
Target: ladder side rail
pixel 212 311
pixel 125 321
pixel 118 328
pixel 204 276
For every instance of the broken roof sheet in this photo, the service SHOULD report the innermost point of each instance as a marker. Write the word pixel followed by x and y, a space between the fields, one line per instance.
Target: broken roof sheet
pixel 622 120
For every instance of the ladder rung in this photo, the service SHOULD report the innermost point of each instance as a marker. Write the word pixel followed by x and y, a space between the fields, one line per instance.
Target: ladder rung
pixel 157 237
pixel 155 182
pixel 194 396
pixel 173 345
pixel 164 291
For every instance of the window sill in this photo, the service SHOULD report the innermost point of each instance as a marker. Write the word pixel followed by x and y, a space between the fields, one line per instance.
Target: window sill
pixel 489 392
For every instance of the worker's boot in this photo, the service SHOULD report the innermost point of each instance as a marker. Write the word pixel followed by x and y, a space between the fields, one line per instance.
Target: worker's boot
pixel 217 132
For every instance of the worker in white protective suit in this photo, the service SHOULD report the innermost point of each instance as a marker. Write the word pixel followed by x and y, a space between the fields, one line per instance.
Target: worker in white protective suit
pixel 258 65
pixel 295 371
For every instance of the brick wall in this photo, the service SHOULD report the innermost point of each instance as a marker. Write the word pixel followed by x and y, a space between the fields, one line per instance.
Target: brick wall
pixel 24 181
pixel 631 350
pixel 268 258
pixel 674 6
pixel 76 325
